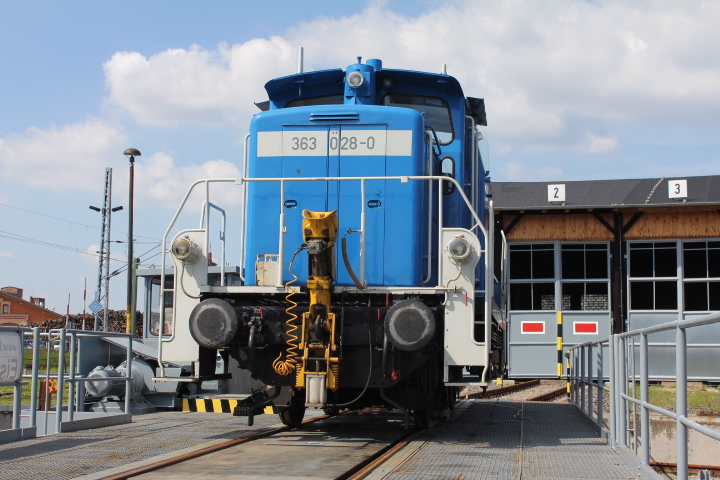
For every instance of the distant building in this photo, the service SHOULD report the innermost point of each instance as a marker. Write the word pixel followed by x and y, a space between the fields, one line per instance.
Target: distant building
pixel 14 291
pixel 586 259
pixel 14 311
pixel 40 302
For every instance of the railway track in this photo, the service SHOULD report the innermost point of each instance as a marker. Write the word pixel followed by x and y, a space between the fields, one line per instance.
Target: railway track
pixel 346 447
pixel 531 391
pixel 549 396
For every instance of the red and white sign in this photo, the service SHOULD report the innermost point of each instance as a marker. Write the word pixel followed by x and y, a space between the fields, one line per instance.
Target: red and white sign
pixel 585 328
pixel 537 328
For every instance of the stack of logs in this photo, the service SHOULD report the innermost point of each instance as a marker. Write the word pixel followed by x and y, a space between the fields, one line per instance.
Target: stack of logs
pixel 116 322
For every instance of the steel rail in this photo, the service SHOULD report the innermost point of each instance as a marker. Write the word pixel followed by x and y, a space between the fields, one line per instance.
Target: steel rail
pixel 202 451
pixel 365 467
pixel 546 397
pixel 499 392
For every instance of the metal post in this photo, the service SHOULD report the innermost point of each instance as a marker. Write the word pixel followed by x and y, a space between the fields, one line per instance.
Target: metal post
pixel 633 385
pixel 17 390
pixel 133 304
pixel 681 401
pixel 644 397
pixel 601 386
pixel 623 408
pixel 582 379
pixel 613 392
pixel 71 393
pixel 104 257
pixel 34 380
pixel 61 378
pixel 573 369
pixel 128 382
pixel 46 408
pixel 591 377
pixel 80 396
pixel 281 247
pixel 363 226
pixel 129 317
pixel 131 153
pixel 108 212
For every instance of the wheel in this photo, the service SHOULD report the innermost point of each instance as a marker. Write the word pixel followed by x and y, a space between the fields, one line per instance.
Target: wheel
pixel 332 411
pixel 293 415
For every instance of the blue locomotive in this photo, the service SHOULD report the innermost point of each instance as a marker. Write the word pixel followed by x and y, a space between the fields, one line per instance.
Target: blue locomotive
pixel 365 274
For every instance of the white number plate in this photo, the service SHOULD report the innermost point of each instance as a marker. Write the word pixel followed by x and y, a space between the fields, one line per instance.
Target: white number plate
pixel 317 143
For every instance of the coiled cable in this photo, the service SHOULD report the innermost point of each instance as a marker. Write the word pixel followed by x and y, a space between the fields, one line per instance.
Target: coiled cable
pixel 288 365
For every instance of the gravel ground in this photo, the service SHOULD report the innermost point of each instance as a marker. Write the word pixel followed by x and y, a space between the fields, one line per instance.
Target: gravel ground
pixel 520 395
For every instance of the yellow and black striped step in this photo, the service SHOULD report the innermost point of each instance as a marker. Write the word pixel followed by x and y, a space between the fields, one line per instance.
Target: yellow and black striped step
pixel 214 405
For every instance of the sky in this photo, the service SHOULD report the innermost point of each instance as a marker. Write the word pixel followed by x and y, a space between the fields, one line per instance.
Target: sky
pixel 574 90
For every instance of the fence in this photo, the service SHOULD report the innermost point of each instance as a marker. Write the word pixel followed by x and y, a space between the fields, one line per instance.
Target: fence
pixel 12 343
pixel 586 378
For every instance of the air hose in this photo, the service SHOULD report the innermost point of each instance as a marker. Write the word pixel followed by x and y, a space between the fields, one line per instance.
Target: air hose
pixel 347 265
pixel 287 365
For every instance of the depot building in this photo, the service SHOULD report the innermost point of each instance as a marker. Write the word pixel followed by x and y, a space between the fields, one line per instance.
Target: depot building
pixel 580 260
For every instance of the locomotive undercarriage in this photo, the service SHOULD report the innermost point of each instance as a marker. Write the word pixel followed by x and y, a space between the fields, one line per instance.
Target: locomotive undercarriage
pixel 371 370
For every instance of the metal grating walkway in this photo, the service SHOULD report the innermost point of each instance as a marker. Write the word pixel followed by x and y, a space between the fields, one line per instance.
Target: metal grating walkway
pixel 484 440
pixel 508 441
pixel 92 453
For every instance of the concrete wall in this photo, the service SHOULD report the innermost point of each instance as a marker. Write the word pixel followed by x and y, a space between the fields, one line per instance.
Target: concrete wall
pixel 663 444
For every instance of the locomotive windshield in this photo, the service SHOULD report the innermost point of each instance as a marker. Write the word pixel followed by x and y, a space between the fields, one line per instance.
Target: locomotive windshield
pixel 323 100
pixel 436 112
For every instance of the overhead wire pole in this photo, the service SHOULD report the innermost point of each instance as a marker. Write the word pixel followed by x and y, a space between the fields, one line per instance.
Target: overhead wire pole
pixel 103 259
pixel 104 270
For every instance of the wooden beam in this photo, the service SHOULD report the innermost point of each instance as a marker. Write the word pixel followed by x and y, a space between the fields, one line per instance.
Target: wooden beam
pixel 632 221
pixel 610 228
pixel 514 222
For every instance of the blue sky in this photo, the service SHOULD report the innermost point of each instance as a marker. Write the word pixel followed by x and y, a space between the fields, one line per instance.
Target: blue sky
pixel 574 90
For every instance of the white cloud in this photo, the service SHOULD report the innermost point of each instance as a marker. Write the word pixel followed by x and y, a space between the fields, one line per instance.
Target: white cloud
pixel 517 172
pixel 70 157
pixel 7 254
pixel 65 158
pixel 196 86
pixel 545 68
pixel 597 144
pixel 161 182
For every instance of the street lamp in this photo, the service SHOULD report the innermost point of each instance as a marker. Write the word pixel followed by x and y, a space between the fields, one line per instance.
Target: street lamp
pixel 131 153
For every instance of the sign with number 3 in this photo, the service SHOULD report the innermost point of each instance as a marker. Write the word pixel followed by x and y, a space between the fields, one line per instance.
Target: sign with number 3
pixel 677 189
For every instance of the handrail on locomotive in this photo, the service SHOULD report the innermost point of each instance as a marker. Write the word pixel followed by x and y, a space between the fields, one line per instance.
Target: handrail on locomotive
pixel 280 286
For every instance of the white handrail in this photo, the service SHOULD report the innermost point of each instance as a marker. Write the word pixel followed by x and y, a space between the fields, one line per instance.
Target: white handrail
pixel 282 181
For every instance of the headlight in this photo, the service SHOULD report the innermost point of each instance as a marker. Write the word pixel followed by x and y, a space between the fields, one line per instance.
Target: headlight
pixel 355 79
pixel 185 250
pixel 459 249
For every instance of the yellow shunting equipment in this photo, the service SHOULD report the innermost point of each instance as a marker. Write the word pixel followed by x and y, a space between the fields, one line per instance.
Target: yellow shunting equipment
pixel 319 327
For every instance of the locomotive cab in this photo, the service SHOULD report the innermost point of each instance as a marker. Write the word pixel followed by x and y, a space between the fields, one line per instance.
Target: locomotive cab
pixel 364 258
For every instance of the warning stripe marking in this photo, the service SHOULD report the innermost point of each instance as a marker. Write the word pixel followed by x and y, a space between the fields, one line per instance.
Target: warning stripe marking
pixel 559 345
pixel 211 405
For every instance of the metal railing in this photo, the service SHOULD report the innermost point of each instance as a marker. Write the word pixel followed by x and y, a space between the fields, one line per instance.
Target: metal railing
pixel 241 181
pixel 66 341
pixel 623 433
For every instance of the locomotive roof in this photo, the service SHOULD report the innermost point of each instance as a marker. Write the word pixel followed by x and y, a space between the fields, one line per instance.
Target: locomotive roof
pixel 328 82
pixel 644 192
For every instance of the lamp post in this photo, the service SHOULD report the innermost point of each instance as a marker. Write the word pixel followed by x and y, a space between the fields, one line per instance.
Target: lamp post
pixel 131 153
